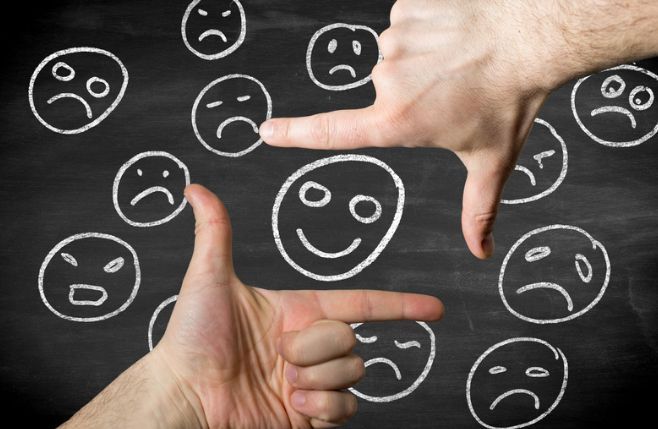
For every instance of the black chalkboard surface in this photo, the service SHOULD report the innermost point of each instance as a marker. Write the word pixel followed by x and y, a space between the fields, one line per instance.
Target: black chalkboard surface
pixel 565 310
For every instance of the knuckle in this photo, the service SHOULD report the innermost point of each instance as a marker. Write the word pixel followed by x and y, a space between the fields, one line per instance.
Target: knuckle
pixel 320 130
pixel 294 352
pixel 399 11
pixel 389 43
pixel 384 72
pixel 345 337
pixel 358 367
pixel 352 406
pixel 323 405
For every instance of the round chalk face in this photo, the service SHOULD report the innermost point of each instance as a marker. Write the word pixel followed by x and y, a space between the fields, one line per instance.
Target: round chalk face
pixel 148 189
pixel 227 113
pixel 341 56
pixel 89 277
pixel 397 360
pixel 554 274
pixel 75 89
pixel 213 29
pixel 540 168
pixel 159 320
pixel 330 229
pixel 516 383
pixel 617 107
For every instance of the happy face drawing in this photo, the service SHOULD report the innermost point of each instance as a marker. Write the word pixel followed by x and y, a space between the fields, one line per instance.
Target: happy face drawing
pixel 554 274
pixel 330 229
pixel 396 362
pixel 341 56
pixel 148 189
pixel 227 113
pixel 89 277
pixel 614 111
pixel 213 29
pixel 516 383
pixel 74 89
pixel 540 168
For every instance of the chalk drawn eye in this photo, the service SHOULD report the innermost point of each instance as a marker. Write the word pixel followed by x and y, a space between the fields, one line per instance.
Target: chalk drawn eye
pixel 356 47
pixel 214 104
pixel 581 260
pixel 69 258
pixel 363 198
pixel 63 72
pixel 114 265
pixel 333 44
pixel 165 174
pixel 226 13
pixel 497 370
pixel 244 98
pixel 537 371
pixel 407 345
pixel 303 190
pixel 140 173
pixel 641 98
pixel 202 12
pixel 537 253
pixel 613 86
pixel 366 340
pixel 98 80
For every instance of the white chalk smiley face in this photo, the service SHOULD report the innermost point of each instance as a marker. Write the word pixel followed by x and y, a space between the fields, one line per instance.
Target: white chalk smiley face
pixel 554 274
pixel 341 56
pixel 148 189
pixel 613 110
pixel 74 89
pixel 516 383
pixel 227 113
pixel 330 230
pixel 541 167
pixel 213 29
pixel 396 362
pixel 89 277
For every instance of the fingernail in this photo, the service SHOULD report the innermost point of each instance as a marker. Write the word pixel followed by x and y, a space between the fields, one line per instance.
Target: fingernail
pixel 291 373
pixel 298 398
pixel 488 245
pixel 266 130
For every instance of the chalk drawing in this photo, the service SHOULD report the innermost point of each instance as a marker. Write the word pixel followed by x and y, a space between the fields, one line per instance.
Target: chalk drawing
pixel 201 13
pixel 154 317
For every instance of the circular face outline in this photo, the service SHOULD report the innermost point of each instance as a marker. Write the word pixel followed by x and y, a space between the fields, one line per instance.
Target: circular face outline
pixel 225 52
pixel 563 172
pixel 595 244
pixel 382 244
pixel 128 164
pixel 82 236
pixel 107 111
pixel 311 45
pixel 415 384
pixel 598 139
pixel 155 315
pixel 504 343
pixel 206 89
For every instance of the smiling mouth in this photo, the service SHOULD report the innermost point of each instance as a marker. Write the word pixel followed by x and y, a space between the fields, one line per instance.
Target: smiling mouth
pixel 615 109
pixel 81 286
pixel 351 248
pixel 385 361
pixel 152 190
pixel 515 392
pixel 235 119
pixel 345 67
pixel 213 32
pixel 548 285
pixel 73 96
pixel 527 172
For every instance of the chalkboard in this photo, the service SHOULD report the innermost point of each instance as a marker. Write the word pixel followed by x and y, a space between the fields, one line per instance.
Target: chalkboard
pixel 579 212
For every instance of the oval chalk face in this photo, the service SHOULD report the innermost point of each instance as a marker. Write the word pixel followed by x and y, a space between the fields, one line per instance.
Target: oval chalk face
pixel 540 168
pixel 89 277
pixel 75 89
pixel 213 29
pixel 554 274
pixel 617 107
pixel 227 113
pixel 516 383
pixel 333 217
pixel 148 189
pixel 341 56
pixel 159 320
pixel 397 360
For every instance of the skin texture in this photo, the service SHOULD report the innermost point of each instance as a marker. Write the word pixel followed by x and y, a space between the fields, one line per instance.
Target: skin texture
pixel 235 356
pixel 471 76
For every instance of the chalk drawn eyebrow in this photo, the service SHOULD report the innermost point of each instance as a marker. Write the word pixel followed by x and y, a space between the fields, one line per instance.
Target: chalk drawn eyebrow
pixel 582 258
pixel 366 340
pixel 69 258
pixel 226 13
pixel 114 265
pixel 202 12
pixel 214 104
pixel 537 253
pixel 407 345
pixel 548 285
pixel 541 155
pixel 244 98
pixel 497 370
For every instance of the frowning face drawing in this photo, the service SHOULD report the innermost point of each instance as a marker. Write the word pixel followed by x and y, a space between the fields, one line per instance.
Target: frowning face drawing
pixel 213 29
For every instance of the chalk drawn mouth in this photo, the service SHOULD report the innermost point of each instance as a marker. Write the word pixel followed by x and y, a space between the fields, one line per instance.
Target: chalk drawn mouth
pixel 345 67
pixel 213 32
pixel 83 286
pixel 528 173
pixel 150 191
pixel 384 361
pixel 548 285
pixel 616 109
pixel 229 121
pixel 73 96
pixel 327 255
pixel 515 392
